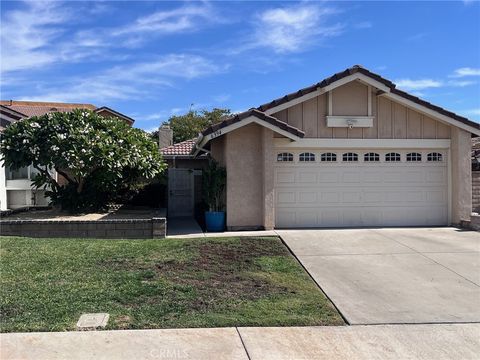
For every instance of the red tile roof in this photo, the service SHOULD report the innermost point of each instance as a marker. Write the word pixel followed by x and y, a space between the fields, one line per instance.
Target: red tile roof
pixel 36 108
pixel 181 148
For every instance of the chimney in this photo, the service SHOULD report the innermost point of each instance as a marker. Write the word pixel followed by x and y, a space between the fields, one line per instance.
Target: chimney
pixel 165 136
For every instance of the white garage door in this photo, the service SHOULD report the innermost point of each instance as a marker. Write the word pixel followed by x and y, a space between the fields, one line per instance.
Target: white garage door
pixel 360 188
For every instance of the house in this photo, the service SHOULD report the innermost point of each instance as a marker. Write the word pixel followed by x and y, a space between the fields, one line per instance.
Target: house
pixel 15 185
pixel 184 175
pixel 349 151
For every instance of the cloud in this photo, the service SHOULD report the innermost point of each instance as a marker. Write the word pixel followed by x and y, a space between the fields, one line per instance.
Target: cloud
pixel 420 84
pixel 416 37
pixel 363 25
pixel 465 71
pixel 461 83
pixel 26 34
pixel 171 21
pixel 290 29
pixel 125 82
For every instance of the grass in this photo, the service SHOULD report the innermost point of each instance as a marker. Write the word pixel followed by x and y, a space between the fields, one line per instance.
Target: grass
pixel 46 284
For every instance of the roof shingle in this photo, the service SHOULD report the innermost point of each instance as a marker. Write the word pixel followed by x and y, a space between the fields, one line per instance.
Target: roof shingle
pixel 35 108
pixel 179 149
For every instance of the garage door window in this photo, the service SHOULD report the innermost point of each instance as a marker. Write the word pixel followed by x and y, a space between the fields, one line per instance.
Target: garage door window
pixel 414 157
pixel 371 157
pixel 307 157
pixel 434 157
pixel 328 157
pixel 285 157
pixel 350 157
pixel 392 157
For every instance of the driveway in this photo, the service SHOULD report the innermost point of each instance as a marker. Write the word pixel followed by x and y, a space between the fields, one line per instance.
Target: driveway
pixel 394 276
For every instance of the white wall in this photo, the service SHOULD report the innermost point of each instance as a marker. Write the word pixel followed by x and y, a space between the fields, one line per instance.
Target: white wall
pixel 3 189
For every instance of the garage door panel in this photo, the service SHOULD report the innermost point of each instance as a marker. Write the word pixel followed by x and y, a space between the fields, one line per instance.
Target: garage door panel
pixel 361 194
pixel 328 176
pixel 307 178
pixel 285 198
pixel 351 197
pixel 436 176
pixel 308 197
pixel 351 177
pixel 330 197
pixel 373 197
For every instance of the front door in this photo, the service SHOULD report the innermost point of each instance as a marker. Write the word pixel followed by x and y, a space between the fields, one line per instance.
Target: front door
pixel 180 192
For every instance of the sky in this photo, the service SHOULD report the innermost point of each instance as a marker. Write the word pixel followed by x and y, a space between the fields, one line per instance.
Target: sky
pixel 152 60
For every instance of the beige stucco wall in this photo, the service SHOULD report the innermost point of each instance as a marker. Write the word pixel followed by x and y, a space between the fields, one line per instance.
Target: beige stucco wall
pixel 248 154
pixel 268 195
pixel 461 168
pixel 244 163
pixel 391 120
pixel 217 150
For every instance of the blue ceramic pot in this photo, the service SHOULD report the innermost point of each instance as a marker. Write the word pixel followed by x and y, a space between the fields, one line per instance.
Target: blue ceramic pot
pixel 215 220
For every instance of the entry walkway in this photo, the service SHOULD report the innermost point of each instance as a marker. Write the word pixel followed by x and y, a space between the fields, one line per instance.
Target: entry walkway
pixel 440 341
pixel 187 227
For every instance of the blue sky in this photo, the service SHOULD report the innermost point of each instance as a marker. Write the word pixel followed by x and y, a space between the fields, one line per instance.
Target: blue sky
pixel 150 60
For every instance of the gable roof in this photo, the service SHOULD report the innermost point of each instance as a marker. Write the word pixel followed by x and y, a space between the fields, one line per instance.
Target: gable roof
pixel 115 113
pixel 258 114
pixel 387 87
pixel 16 115
pixel 242 119
pixel 37 108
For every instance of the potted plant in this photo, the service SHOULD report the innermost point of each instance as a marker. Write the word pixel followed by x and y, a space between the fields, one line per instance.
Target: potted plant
pixel 214 181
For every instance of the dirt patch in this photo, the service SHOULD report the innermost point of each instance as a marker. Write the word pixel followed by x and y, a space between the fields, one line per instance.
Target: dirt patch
pixel 219 271
pixel 225 270
pixel 123 322
pixel 55 214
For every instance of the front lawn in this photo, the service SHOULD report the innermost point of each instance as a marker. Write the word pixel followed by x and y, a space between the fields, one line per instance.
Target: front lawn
pixel 46 284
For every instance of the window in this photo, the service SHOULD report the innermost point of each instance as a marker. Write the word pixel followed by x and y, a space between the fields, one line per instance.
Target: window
pixel 414 157
pixel 371 157
pixel 349 157
pixel 392 157
pixel 434 157
pixel 18 174
pixel 307 157
pixel 328 157
pixel 285 157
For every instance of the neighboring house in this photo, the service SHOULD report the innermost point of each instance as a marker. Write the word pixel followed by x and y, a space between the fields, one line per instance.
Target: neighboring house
pixel 184 175
pixel 476 174
pixel 15 185
pixel 351 150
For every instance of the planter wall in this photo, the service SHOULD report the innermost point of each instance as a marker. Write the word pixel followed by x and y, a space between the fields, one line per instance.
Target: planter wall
pixel 100 229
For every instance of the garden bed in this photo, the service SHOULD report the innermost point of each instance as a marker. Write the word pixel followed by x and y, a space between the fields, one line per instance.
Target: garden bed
pixel 47 284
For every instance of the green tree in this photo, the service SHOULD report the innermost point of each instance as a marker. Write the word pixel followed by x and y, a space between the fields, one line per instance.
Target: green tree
pixel 189 125
pixel 97 156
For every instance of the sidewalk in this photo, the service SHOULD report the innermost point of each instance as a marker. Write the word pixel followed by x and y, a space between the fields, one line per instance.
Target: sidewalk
pixel 187 227
pixel 444 341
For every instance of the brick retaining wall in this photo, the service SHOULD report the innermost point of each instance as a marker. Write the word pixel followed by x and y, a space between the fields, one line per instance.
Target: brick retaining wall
pixel 101 229
pixel 476 191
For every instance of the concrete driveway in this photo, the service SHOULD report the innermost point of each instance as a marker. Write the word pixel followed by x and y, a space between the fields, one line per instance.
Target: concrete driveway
pixel 394 275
